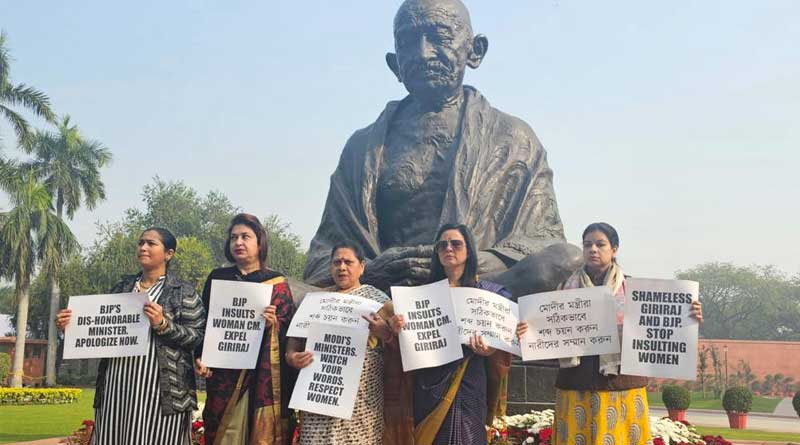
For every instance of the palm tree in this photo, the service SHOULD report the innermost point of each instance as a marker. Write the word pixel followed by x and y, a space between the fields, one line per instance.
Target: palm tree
pixel 20 95
pixel 69 166
pixel 28 233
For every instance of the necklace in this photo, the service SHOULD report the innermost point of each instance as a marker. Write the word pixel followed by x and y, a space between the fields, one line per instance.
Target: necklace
pixel 142 287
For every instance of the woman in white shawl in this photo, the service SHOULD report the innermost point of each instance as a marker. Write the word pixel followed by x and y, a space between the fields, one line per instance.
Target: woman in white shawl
pixel 595 404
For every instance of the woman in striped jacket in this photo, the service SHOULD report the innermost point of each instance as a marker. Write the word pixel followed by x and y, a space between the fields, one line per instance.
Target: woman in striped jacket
pixel 149 399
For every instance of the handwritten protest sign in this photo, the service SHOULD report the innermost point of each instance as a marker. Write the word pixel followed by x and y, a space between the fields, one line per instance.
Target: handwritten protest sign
pixel 494 317
pixel 105 326
pixel 659 335
pixel 329 384
pixel 235 325
pixel 331 308
pixel 430 335
pixel 569 323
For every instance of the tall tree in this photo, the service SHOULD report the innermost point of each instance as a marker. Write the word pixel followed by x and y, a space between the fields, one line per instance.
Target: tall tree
pixel 755 302
pixel 285 254
pixel 30 232
pixel 20 95
pixel 69 165
pixel 193 261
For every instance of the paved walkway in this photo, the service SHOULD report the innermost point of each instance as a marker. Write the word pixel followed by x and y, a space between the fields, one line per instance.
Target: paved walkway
pixel 51 441
pixel 785 408
pixel 755 421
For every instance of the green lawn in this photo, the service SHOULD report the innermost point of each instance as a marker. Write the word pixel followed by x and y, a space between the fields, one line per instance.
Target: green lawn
pixel 760 404
pixel 730 434
pixel 32 422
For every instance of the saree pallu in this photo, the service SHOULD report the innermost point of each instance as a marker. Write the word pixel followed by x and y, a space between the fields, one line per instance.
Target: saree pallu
pixel 602 418
pixel 479 390
pixel 250 406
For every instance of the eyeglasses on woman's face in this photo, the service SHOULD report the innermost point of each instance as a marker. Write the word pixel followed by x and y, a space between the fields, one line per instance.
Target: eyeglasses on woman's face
pixel 455 244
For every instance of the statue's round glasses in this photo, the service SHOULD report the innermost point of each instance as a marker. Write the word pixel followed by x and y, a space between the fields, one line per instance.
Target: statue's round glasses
pixel 456 244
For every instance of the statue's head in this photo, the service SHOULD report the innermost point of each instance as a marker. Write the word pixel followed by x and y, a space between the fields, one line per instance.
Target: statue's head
pixel 434 44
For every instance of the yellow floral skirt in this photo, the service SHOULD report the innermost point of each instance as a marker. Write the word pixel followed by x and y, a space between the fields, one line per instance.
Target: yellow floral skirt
pixel 602 418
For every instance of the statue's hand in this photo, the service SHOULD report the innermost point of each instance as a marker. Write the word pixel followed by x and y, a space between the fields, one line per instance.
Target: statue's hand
pixel 399 266
pixel 541 271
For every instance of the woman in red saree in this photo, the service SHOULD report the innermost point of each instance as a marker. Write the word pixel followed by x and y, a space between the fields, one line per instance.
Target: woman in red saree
pixel 250 406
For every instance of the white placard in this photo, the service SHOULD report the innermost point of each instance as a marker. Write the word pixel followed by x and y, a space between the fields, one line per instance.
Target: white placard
pixel 235 323
pixel 659 334
pixel 491 315
pixel 569 323
pixel 330 383
pixel 106 326
pixel 430 336
pixel 331 308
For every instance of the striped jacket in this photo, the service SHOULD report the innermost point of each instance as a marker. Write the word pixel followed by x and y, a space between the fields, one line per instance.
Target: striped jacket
pixel 174 346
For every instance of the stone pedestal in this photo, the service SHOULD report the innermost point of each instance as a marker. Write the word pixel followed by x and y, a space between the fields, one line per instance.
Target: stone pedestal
pixel 531 386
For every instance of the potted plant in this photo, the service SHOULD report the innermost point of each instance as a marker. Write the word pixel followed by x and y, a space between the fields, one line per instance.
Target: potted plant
pixel 737 402
pixel 796 402
pixel 676 399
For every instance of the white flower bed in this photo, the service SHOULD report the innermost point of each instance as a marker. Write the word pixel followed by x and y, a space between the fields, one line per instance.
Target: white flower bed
pixel 671 431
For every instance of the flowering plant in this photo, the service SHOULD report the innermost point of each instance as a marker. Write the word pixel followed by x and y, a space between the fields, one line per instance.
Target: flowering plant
pixel 198 430
pixel 716 440
pixel 82 436
pixel 536 428
pixel 670 432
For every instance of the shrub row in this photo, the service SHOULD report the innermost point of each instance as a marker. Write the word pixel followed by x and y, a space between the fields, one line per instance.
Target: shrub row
pixel 38 396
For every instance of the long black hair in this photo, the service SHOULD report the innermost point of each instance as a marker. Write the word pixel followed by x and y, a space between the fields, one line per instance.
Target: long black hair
pixel 470 276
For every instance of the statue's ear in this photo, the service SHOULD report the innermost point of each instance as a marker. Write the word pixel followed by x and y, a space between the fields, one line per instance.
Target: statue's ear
pixel 480 45
pixel 391 60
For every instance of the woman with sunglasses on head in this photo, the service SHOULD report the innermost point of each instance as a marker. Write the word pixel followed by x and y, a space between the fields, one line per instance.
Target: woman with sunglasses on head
pixel 595 404
pixel 478 379
pixel 366 426
pixel 245 406
pixel 149 399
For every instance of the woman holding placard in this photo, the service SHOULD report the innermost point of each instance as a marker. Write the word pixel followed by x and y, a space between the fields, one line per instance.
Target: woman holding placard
pixel 366 426
pixel 251 403
pixel 149 399
pixel 452 402
pixel 595 404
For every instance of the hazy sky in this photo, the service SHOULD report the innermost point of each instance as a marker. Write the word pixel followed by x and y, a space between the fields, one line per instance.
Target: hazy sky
pixel 677 122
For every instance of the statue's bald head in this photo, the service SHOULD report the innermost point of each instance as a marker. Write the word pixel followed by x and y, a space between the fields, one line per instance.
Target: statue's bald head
pixel 434 45
pixel 453 12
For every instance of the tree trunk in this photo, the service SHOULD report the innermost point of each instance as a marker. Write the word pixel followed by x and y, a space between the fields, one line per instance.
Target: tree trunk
pixel 52 333
pixel 55 303
pixel 17 370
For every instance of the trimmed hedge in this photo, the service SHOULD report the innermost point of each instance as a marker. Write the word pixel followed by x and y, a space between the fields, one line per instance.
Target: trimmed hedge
pixel 676 397
pixel 796 402
pixel 38 396
pixel 737 399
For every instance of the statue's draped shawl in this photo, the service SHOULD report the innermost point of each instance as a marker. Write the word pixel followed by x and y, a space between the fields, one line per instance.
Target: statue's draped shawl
pixel 500 186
